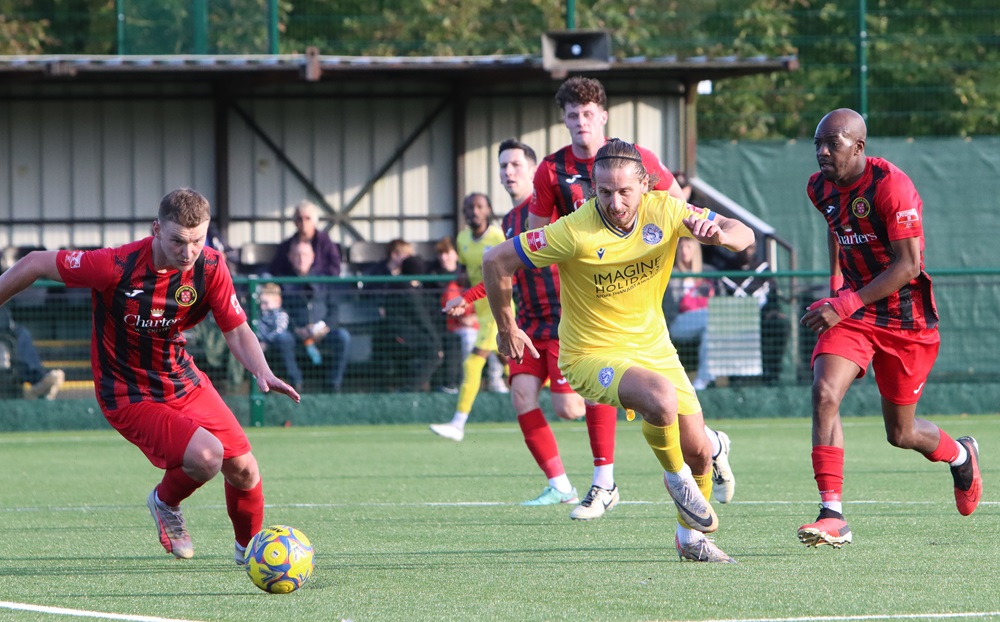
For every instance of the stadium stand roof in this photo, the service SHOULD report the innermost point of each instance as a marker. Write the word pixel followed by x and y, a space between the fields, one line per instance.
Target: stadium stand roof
pixel 286 68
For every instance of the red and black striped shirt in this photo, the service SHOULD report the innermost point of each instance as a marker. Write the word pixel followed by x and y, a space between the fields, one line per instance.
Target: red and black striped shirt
pixel 137 346
pixel 865 218
pixel 536 290
pixel 563 183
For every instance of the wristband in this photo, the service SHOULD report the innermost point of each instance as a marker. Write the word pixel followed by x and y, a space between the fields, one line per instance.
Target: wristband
pixel 836 282
pixel 845 304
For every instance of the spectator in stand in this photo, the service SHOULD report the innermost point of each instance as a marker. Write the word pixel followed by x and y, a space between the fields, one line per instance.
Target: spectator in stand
pixel 685 306
pixel 775 326
pixel 460 332
pixel 412 341
pixel 326 252
pixel 312 311
pixel 272 329
pixel 412 324
pixel 27 364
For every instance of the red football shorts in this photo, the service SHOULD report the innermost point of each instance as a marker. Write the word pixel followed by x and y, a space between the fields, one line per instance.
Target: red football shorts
pixel 901 359
pixel 546 366
pixel 162 430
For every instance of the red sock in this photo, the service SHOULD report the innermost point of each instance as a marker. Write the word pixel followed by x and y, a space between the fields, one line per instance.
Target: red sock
pixel 946 451
pixel 176 486
pixel 246 511
pixel 828 467
pixel 601 422
pixel 541 442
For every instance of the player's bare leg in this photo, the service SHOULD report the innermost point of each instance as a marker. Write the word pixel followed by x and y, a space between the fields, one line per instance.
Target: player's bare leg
pixel 904 430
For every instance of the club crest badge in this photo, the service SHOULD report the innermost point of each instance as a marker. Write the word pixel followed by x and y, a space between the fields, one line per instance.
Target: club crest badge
pixel 605 376
pixel 860 207
pixel 186 295
pixel 651 234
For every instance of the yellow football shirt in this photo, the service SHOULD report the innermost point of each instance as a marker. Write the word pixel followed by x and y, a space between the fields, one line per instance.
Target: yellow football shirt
pixel 470 254
pixel 612 283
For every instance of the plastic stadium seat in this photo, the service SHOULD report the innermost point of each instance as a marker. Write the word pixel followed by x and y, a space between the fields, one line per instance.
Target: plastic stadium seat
pixel 255 257
pixel 365 252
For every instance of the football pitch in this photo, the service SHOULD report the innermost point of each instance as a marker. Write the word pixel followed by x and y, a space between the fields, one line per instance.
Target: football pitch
pixel 409 526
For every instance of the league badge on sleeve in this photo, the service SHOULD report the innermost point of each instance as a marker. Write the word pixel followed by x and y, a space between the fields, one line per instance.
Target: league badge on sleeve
pixel 536 240
pixel 235 301
pixel 73 259
pixel 908 218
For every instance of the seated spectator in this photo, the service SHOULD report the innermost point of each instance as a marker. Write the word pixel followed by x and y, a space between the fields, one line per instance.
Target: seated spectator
pixel 312 313
pixel 326 252
pixel 775 327
pixel 685 306
pixel 398 251
pixel 459 336
pixel 26 363
pixel 273 331
pixel 412 325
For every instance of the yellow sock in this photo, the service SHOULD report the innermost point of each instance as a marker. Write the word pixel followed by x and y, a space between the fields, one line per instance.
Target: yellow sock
pixel 704 484
pixel 666 445
pixel 472 378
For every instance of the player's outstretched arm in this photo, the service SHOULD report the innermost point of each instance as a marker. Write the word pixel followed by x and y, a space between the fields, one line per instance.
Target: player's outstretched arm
pixel 243 344
pixel 33 266
pixel 499 265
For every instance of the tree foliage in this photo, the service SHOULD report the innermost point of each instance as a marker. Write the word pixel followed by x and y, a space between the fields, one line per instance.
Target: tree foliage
pixel 933 66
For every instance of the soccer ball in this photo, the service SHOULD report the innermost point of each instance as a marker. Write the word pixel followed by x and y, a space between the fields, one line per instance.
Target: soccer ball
pixel 279 559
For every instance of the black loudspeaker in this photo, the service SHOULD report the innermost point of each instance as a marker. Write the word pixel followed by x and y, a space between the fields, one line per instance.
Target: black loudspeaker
pixel 566 50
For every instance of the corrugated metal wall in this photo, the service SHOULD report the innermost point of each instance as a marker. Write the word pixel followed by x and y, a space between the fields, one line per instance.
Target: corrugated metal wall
pixel 97 160
pixel 102 164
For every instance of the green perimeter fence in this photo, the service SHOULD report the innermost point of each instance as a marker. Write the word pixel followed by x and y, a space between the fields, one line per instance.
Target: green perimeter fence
pixel 389 356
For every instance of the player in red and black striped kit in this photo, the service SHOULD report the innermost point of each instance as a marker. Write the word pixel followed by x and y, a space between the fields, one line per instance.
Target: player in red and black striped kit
pixel 881 311
pixel 145 294
pixel 562 184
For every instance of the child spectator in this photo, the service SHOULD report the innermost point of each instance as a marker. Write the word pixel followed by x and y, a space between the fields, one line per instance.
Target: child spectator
pixel 272 330
pixel 461 331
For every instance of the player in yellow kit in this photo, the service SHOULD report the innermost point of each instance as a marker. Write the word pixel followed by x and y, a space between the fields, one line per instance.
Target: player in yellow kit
pixel 614 256
pixel 471 243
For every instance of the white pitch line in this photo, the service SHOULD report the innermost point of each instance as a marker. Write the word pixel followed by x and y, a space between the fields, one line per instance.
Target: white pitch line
pixel 893 616
pixel 211 506
pixel 83 613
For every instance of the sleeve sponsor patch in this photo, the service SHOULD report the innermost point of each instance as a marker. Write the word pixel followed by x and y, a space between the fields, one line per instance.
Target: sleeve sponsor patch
pixel 73 259
pixel 235 301
pixel 536 240
pixel 907 217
